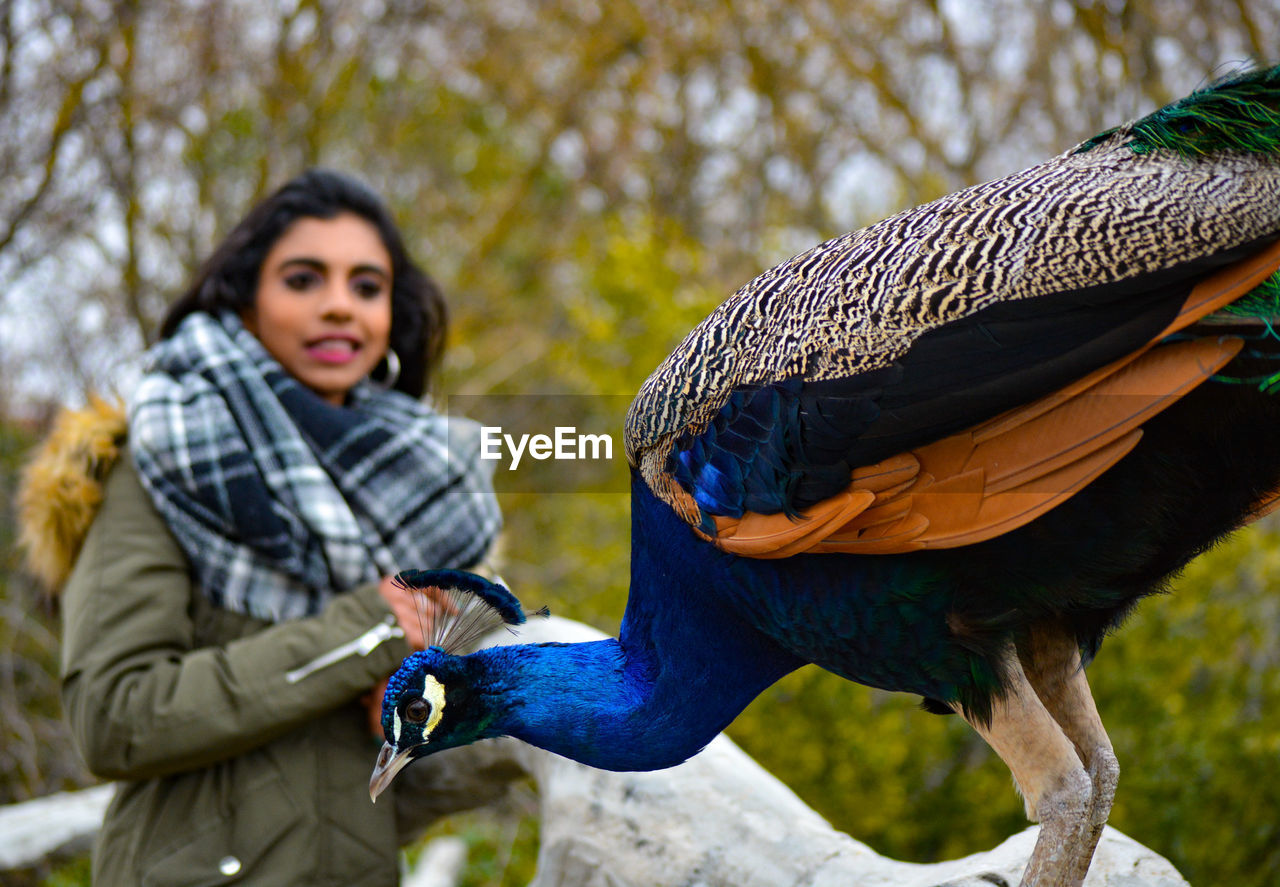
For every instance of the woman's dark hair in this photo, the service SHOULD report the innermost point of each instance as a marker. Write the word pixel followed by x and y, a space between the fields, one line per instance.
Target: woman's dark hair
pixel 228 280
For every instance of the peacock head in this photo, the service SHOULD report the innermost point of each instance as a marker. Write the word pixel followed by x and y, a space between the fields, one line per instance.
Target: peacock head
pixel 417 717
pixel 430 704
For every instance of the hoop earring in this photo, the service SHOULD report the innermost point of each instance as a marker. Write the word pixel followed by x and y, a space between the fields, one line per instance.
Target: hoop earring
pixel 388 381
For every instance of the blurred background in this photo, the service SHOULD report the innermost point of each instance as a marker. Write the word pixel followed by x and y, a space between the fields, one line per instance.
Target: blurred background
pixel 586 181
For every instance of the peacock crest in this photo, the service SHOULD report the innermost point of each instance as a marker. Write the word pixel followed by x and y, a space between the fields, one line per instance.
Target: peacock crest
pixel 456 608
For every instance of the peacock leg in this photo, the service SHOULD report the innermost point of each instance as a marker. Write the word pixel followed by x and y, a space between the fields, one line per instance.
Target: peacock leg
pixel 1051 661
pixel 1054 785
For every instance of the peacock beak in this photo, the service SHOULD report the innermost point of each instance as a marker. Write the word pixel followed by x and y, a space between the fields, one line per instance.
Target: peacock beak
pixel 390 762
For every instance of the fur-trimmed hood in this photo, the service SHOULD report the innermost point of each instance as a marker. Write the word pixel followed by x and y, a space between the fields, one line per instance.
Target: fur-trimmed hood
pixel 61 488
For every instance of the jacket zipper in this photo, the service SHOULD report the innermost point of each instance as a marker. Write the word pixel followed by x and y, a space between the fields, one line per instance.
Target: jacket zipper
pixel 361 646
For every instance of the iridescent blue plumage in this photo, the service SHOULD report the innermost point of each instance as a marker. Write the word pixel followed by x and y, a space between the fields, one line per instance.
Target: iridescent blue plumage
pixel 649 699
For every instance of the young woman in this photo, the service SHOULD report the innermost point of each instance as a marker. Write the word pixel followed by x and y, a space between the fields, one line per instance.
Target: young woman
pixel 229 615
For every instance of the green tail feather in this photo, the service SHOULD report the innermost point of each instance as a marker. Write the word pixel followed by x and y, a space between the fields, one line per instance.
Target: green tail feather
pixel 1261 301
pixel 1240 113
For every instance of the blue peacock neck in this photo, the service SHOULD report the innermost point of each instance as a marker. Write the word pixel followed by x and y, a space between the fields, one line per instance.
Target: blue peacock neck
pixel 684 664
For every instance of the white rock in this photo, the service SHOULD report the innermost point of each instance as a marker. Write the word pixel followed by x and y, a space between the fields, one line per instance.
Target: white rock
pixel 440 864
pixel 32 830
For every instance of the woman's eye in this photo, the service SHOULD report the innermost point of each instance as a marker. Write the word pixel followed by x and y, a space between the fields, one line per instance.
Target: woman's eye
pixel 417 711
pixel 367 287
pixel 301 280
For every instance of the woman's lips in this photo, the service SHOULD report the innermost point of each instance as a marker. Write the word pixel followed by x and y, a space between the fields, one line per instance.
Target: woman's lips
pixel 332 351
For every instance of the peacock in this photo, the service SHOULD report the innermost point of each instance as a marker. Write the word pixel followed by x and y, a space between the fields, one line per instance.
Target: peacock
pixel 945 455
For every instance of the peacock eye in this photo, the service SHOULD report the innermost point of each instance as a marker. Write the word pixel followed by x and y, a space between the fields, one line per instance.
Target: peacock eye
pixel 417 711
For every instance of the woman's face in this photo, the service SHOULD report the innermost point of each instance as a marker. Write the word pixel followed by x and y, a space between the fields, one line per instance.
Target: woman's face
pixel 323 305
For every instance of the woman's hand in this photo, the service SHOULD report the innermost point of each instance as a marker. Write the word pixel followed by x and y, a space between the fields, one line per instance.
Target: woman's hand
pixel 405 604
pixel 416 609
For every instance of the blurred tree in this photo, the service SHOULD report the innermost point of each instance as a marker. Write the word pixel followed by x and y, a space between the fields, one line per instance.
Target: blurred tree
pixel 586 185
pixel 36 757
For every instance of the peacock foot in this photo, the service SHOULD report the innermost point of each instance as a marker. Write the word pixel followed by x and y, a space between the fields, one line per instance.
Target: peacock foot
pixel 1104 773
pixel 1061 851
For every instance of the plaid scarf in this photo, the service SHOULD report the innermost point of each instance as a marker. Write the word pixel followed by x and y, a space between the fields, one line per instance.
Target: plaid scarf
pixel 280 499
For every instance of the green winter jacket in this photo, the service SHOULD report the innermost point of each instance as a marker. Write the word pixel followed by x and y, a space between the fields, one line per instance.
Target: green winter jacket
pixel 240 760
